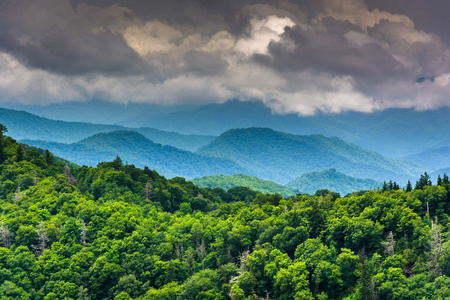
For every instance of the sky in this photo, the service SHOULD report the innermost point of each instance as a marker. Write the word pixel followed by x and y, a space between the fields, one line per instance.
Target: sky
pixel 297 56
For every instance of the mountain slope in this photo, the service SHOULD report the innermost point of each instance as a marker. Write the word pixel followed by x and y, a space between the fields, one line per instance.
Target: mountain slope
pixel 392 132
pixel 135 149
pixel 230 181
pixel 333 181
pixel 403 131
pixel 281 157
pixel 22 125
pixel 433 159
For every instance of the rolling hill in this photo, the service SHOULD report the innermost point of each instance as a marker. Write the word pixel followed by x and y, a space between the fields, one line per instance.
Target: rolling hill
pixel 134 148
pixel 230 181
pixel 282 157
pixel 333 181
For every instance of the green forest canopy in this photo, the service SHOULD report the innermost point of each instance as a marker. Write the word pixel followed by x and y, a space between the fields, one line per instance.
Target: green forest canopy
pixel 118 232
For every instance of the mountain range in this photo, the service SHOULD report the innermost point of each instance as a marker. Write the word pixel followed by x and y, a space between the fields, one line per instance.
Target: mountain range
pixel 281 157
pixel 23 125
pixel 263 152
pixel 134 148
pixel 392 132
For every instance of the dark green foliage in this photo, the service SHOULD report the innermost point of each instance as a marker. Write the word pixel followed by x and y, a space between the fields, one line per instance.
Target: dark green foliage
pixel 423 181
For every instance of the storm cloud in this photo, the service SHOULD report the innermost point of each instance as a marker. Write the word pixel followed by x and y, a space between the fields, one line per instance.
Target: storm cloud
pixel 300 56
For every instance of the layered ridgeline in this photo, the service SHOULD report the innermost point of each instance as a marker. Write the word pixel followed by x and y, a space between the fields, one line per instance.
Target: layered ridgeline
pixel 227 182
pixel 402 132
pixel 119 232
pixel 134 148
pixel 282 157
pixel 333 181
pixel 432 159
pixel 391 132
pixel 22 125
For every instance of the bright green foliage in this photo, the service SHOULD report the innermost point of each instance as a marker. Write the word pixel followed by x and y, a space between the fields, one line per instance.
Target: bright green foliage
pixel 226 182
pixel 105 234
pixel 332 180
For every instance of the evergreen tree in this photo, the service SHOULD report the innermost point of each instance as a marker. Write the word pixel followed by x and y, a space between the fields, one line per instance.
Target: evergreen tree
pixel 408 187
pixel 48 158
pixel 19 153
pixel 445 179
pixel 384 188
pixel 3 129
pixel 423 181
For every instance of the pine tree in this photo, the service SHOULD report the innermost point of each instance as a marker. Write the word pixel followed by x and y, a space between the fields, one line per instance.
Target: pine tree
pixel 48 158
pixel 423 181
pixel 384 188
pixel 445 179
pixel 19 153
pixel 3 129
pixel 408 187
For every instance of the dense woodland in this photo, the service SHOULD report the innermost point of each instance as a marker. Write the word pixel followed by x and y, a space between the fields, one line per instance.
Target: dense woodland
pixel 119 232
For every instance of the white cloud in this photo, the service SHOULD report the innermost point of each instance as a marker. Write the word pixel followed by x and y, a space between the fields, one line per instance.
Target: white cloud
pixel 21 84
pixel 262 32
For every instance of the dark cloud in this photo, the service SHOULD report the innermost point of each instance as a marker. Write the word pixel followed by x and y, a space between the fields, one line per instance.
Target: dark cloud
pixel 333 53
pixel 297 55
pixel 70 48
pixel 204 64
pixel 430 16
pixel 71 54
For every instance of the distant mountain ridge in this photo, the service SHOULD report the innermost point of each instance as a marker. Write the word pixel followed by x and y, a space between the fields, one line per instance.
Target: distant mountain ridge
pixel 392 132
pixel 333 181
pixel 134 148
pixel 22 125
pixel 432 159
pixel 282 157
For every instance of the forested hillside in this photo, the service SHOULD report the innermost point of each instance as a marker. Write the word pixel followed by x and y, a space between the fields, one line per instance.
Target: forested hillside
pixel 119 232
pixel 230 181
pixel 136 149
pixel 282 157
pixel 333 181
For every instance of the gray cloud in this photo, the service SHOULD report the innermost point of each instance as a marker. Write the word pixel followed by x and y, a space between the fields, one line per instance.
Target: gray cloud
pixel 299 56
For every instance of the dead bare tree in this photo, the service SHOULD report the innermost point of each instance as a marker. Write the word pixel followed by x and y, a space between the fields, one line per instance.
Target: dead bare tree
pixel 389 244
pixel 42 239
pixel 83 230
pixel 6 235
pixel 70 179
pixel 201 252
